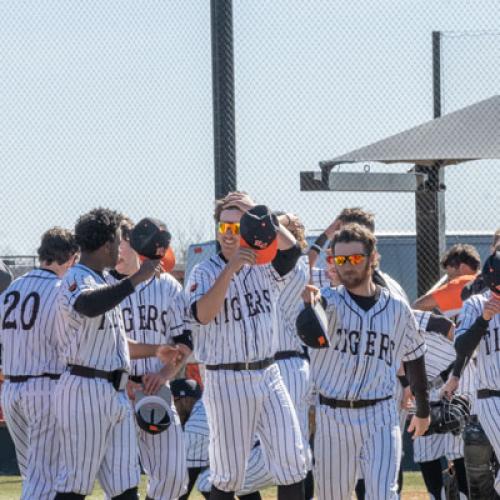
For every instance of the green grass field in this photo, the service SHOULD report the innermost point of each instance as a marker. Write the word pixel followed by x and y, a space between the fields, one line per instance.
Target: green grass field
pixel 10 489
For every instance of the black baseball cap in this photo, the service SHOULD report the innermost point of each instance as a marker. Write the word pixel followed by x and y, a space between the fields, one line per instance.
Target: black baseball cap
pixel 185 388
pixel 259 232
pixel 491 272
pixel 150 238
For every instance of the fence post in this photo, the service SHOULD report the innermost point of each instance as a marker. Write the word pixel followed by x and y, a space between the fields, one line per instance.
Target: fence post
pixel 221 16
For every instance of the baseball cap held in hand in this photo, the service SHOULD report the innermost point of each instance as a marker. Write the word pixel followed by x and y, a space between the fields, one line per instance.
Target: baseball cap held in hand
pixel 259 232
pixel 150 239
pixel 152 412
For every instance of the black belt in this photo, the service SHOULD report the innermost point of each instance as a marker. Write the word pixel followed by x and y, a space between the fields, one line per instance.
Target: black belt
pixel 24 378
pixel 343 403
pixel 487 393
pixel 289 355
pixel 118 378
pixel 252 365
pixel 135 378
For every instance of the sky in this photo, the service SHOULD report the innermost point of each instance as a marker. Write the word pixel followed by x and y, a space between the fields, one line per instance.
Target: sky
pixel 109 104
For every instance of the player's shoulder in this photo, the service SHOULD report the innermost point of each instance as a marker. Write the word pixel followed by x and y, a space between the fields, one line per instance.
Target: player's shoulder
pixel 167 282
pixel 211 265
pixel 476 301
pixel 422 318
pixel 80 274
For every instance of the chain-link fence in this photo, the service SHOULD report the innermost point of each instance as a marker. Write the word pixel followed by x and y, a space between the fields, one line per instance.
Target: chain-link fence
pixel 111 104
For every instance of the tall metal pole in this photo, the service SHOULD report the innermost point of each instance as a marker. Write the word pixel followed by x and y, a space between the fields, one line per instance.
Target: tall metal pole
pixel 221 14
pixel 430 204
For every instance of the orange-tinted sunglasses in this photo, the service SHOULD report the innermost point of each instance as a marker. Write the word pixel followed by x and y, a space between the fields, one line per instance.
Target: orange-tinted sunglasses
pixel 354 259
pixel 234 227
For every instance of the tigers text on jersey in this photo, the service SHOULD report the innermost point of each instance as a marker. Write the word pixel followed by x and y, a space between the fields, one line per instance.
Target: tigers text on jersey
pixel 98 342
pixel 243 329
pixel 488 351
pixel 28 314
pixel 153 314
pixel 366 347
pixel 289 304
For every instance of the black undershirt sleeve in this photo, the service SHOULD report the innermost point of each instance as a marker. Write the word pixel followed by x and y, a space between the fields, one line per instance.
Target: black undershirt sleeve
pixel 285 260
pixel 92 303
pixel 468 341
pixel 415 371
pixel 459 365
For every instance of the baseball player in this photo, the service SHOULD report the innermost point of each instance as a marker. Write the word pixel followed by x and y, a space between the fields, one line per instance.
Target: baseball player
pixel 479 327
pixel 354 215
pixel 187 397
pixel 31 365
pixel 428 450
pixel 187 394
pixel 94 418
pixel 233 297
pixel 291 356
pixel 370 331
pixel 154 314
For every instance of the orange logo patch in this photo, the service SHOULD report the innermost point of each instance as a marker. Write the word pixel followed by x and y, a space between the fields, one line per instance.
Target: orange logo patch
pixel 72 287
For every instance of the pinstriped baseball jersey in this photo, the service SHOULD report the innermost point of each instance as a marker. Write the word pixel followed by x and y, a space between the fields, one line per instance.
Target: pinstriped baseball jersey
pixel 319 277
pixel 488 351
pixel 289 306
pixel 394 287
pixel 366 347
pixel 440 352
pixel 154 314
pixel 243 328
pixel 28 316
pixel 196 435
pixel 98 342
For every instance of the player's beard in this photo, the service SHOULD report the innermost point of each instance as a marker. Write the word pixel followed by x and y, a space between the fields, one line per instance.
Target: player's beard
pixel 354 278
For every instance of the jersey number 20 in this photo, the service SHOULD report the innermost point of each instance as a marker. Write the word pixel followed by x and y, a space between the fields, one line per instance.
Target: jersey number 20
pixel 12 299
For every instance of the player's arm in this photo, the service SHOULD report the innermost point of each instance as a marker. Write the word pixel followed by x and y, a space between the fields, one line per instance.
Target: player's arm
pixel 425 303
pixel 468 340
pixel 138 350
pixel 321 241
pixel 95 302
pixel 206 308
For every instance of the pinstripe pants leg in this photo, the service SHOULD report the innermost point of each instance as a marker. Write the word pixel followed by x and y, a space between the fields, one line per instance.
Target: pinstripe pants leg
pixel 488 411
pixel 163 457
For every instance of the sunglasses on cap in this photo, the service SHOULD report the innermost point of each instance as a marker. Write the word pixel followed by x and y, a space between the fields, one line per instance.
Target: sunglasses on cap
pixel 354 259
pixel 233 227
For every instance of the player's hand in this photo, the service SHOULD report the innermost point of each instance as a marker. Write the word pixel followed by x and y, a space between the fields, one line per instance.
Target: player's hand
pixel 132 388
pixel 169 354
pixel 418 426
pixel 147 270
pixel 491 307
pixel 152 382
pixel 311 294
pixel 448 390
pixel 408 399
pixel 332 229
pixel 240 200
pixel 242 257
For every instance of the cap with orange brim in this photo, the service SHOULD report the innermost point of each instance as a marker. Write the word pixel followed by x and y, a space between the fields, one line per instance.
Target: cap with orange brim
pixel 259 232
